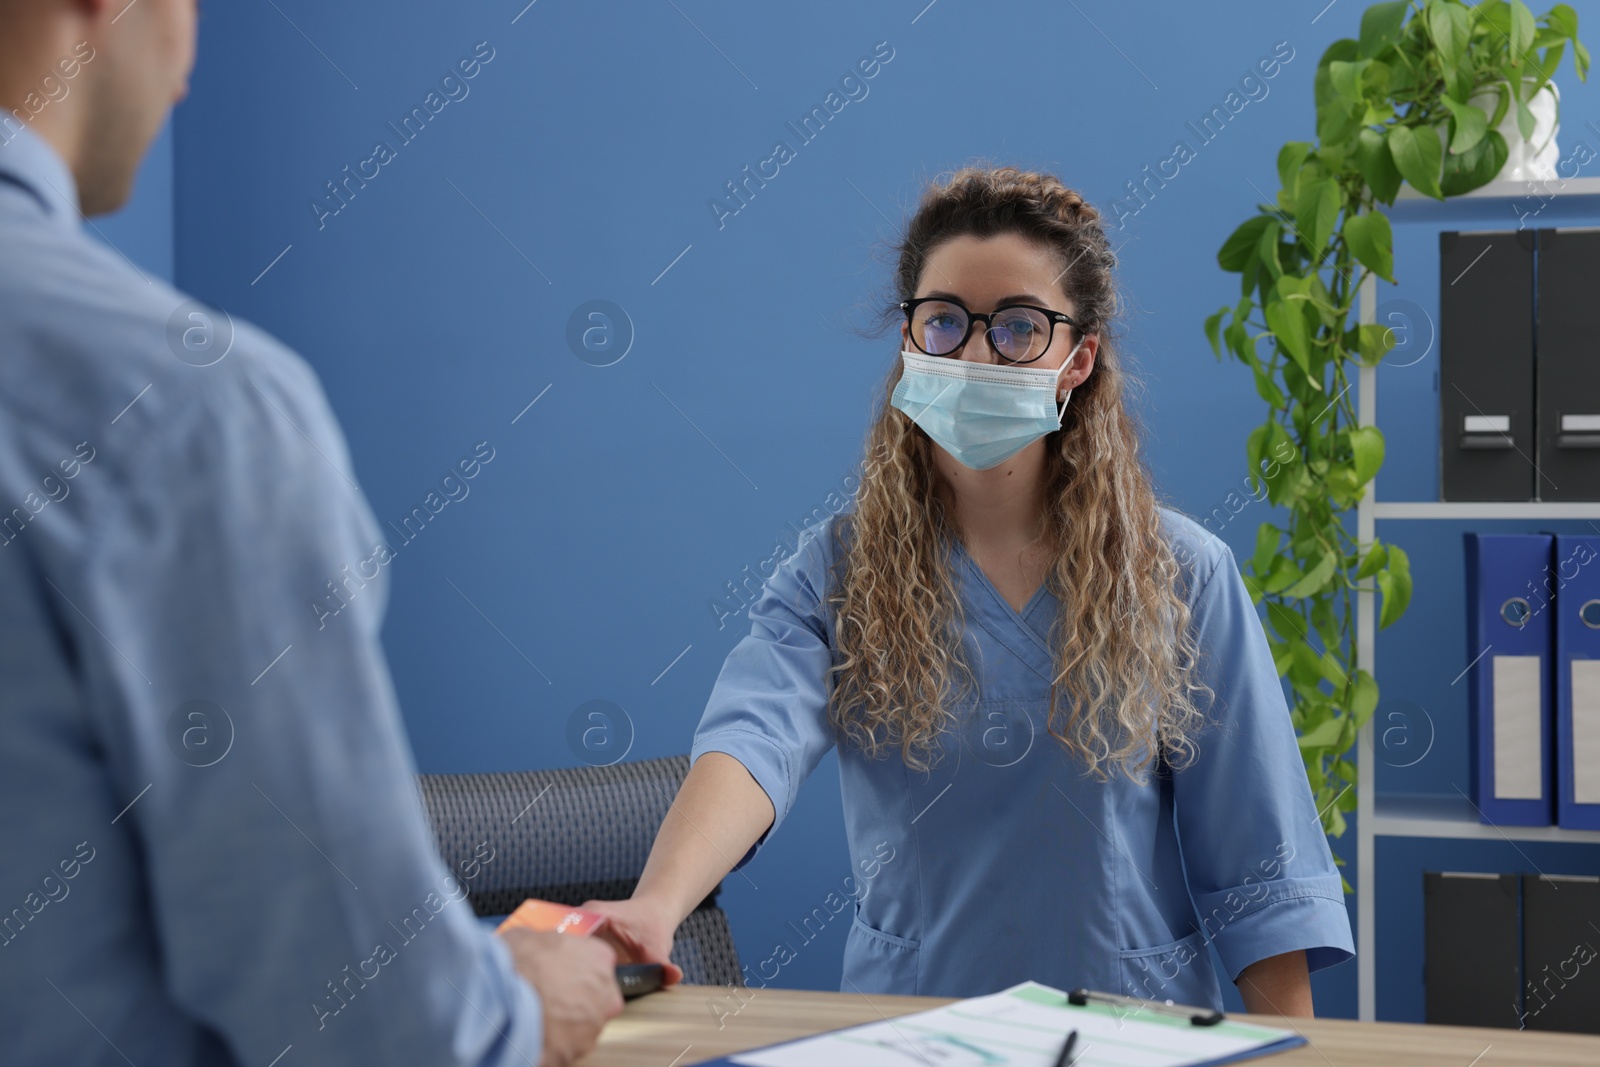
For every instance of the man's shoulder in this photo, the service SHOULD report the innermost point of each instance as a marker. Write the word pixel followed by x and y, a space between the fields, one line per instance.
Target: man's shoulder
pixel 95 345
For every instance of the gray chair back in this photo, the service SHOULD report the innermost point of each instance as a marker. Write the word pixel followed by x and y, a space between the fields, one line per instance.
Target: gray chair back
pixel 571 835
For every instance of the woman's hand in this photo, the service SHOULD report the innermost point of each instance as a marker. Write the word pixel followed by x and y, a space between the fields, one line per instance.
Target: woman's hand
pixel 720 811
pixel 640 932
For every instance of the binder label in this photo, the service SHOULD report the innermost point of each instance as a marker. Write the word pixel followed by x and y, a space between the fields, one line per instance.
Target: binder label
pixel 1586 731
pixel 1518 744
pixel 1486 423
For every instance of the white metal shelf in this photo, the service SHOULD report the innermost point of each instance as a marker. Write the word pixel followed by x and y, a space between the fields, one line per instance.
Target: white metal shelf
pixel 1511 190
pixel 1511 509
pixel 1428 815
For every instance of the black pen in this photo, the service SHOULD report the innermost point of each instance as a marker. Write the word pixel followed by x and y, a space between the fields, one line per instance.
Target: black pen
pixel 1065 1058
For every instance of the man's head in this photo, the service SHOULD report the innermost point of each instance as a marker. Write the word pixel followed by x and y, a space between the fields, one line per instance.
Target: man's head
pixel 129 62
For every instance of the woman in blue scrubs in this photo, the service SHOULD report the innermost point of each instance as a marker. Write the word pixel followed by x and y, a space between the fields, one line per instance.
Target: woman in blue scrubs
pixel 1064 750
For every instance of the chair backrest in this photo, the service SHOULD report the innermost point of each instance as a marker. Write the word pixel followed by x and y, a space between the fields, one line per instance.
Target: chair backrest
pixel 567 836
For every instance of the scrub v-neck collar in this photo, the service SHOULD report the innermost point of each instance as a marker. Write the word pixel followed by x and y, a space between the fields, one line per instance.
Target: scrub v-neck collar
pixel 1005 623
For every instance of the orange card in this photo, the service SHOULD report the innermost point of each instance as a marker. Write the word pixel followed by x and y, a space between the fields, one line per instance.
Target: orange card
pixel 560 918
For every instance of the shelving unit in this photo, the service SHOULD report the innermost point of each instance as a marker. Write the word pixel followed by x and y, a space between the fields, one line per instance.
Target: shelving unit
pixel 1515 190
pixel 1428 816
pixel 1453 816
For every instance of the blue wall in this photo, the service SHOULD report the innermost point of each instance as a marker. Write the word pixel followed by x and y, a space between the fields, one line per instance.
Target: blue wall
pixel 142 230
pixel 578 166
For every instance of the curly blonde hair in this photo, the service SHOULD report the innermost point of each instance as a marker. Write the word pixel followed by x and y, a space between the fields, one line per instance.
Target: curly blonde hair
pixel 1121 643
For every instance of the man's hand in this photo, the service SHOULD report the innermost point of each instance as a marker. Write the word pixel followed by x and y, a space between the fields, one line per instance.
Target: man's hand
pixel 575 978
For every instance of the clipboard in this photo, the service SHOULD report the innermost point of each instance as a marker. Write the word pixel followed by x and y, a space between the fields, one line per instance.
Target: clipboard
pixel 1023 1026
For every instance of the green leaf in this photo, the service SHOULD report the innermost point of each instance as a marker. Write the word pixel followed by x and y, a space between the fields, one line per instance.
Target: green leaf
pixel 1380 26
pixel 1377 113
pixel 1373 342
pixel 1563 20
pixel 1267 247
pixel 1240 247
pixel 1316 579
pixel 1470 124
pixel 1322 735
pixel 1316 210
pixel 1363 697
pixel 1337 118
pixel 1525 120
pixel 1294 285
pixel 1377 165
pixel 1474 168
pixel 1550 60
pixel 1250 279
pixel 1236 335
pixel 1290 159
pixel 1306 672
pixel 1268 390
pixel 1343 489
pixel 1267 538
pixel 1255 446
pixel 1213 323
pixel 1334 825
pixel 1285 621
pixel 1450 26
pixel 1243 346
pixel 1326 622
pixel 1377 555
pixel 1346 80
pixel 1375 86
pixel 1495 14
pixel 1366 447
pixel 1521 30
pixel 1283 573
pixel 1371 241
pixel 1502 102
pixel 1418 155
pixel 1395 584
pixel 1385 583
pixel 1288 324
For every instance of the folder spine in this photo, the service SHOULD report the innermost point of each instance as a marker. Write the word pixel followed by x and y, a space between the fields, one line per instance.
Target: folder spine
pixel 1486 365
pixel 1509 681
pixel 1566 374
pixel 1577 681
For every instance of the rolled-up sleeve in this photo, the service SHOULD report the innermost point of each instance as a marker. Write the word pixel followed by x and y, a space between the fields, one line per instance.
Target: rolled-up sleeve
pixel 769 706
pixel 1260 872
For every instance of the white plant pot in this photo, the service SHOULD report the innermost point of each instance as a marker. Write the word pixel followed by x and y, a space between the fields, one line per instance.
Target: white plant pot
pixel 1530 159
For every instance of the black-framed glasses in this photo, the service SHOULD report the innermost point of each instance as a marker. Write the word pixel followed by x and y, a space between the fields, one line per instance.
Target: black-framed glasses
pixel 1018 333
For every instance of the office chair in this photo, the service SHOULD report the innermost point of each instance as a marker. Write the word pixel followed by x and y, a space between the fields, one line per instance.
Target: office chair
pixel 571 835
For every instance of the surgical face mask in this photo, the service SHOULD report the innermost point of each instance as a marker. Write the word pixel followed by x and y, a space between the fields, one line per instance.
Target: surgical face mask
pixel 980 413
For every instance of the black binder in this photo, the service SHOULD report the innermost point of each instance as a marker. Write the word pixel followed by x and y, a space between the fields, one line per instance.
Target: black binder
pixel 1561 953
pixel 1486 373
pixel 1472 957
pixel 1568 365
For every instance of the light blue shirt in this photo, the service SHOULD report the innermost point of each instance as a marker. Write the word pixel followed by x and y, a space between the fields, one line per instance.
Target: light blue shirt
pixel 213 847
pixel 1006 862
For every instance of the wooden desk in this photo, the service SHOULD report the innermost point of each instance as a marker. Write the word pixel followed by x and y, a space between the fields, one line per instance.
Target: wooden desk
pixel 680 1026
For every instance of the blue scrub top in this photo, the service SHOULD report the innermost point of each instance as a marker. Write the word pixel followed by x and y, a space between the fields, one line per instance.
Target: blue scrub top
pixel 1005 861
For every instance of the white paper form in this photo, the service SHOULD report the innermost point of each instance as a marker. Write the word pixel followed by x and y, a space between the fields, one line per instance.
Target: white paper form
pixel 1024 1026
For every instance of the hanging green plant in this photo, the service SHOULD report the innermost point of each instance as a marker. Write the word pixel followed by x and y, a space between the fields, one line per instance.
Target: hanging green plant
pixel 1419 98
